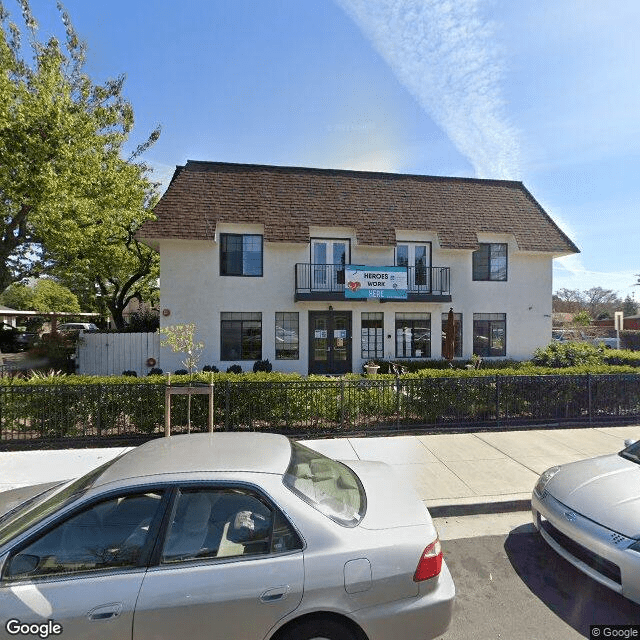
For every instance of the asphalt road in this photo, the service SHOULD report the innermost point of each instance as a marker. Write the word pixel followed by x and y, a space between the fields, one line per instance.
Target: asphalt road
pixel 514 587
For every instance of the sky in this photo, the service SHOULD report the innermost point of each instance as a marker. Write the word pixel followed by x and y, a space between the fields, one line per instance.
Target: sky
pixel 545 92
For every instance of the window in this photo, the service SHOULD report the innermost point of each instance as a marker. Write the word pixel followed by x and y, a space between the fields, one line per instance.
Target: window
pixel 108 535
pixel 490 334
pixel 225 522
pixel 417 257
pixel 287 342
pixel 328 258
pixel 372 335
pixel 457 348
pixel 327 485
pixel 490 262
pixel 240 336
pixel 240 255
pixel 413 335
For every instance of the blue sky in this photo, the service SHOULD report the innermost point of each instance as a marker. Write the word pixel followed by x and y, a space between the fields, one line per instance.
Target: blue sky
pixel 546 92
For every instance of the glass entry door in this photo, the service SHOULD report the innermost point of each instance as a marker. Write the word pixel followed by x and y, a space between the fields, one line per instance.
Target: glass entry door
pixel 329 342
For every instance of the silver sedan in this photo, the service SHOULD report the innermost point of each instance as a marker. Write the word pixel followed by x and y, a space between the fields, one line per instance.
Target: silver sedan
pixel 589 512
pixel 224 536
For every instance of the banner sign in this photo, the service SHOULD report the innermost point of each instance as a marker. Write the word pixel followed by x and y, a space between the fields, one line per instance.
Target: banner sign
pixel 375 282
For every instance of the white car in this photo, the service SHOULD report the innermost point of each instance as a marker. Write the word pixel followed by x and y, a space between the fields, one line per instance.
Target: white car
pixel 589 512
pixel 77 326
pixel 230 536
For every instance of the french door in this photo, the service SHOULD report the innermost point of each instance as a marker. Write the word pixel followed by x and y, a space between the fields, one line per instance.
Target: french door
pixel 330 342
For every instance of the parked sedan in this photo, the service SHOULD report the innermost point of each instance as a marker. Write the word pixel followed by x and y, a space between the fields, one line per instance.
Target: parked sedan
pixel 224 536
pixel 589 512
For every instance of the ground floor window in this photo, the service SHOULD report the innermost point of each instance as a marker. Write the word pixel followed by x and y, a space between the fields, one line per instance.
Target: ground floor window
pixel 240 336
pixel 372 335
pixel 413 335
pixel 287 335
pixel 457 318
pixel 490 334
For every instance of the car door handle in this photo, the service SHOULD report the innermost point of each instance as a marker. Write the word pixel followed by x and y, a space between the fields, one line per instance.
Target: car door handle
pixel 105 611
pixel 275 594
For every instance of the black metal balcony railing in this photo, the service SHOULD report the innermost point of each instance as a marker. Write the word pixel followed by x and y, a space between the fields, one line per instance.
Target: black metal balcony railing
pixel 326 281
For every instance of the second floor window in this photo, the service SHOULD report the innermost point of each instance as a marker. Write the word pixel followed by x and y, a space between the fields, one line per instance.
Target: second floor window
pixel 490 262
pixel 240 254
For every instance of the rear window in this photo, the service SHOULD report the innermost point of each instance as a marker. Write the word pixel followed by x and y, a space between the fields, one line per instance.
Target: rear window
pixel 327 485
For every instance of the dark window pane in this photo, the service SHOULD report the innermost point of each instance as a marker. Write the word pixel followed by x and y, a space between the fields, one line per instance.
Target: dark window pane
pixel 489 334
pixel 108 535
pixel 481 263
pixel 402 255
pixel 240 255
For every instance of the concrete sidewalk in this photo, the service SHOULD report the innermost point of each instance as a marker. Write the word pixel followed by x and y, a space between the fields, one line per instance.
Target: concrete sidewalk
pixel 454 474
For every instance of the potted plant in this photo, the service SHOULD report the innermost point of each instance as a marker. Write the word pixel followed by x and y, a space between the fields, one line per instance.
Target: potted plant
pixel 371 367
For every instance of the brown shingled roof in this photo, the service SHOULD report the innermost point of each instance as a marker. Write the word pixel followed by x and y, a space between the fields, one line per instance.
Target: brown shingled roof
pixel 286 200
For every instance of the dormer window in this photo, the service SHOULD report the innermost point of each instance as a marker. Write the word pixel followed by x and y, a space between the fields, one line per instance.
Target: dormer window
pixel 490 262
pixel 240 254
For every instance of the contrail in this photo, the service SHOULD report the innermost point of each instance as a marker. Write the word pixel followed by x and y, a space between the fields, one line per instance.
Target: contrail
pixel 444 53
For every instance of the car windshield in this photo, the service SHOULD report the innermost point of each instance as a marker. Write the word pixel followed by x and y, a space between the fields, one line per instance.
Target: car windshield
pixel 327 485
pixel 632 452
pixel 18 520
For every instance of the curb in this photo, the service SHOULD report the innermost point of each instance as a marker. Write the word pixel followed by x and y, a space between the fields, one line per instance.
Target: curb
pixel 478 508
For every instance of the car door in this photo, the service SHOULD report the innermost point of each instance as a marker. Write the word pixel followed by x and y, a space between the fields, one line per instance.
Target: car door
pixel 83 572
pixel 230 567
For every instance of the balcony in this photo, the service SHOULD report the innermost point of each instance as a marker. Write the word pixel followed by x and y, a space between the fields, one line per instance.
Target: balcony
pixel 326 282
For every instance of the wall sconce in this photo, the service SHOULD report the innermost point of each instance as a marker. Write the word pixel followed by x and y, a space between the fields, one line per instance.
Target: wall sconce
pixel 166 312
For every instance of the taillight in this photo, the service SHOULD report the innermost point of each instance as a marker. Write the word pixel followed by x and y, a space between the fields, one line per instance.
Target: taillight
pixel 430 562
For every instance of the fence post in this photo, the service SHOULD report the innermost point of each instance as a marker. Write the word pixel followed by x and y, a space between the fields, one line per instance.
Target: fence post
pixel 342 403
pixel 211 405
pixel 497 401
pixel 398 393
pixel 589 401
pixel 227 401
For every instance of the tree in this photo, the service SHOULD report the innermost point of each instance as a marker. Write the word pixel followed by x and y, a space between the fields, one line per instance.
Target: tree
pixel 18 296
pixel 630 307
pixel 599 300
pixel 70 201
pixel 49 295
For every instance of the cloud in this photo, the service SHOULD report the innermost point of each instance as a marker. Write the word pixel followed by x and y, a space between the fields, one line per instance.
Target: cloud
pixel 443 52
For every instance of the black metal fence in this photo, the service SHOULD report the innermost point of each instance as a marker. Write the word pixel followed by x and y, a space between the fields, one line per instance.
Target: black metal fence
pixel 32 414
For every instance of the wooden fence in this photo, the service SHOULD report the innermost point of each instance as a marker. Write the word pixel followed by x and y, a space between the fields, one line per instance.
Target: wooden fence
pixel 109 354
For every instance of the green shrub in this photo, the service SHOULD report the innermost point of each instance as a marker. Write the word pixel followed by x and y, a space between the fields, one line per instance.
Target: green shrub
pixel 568 354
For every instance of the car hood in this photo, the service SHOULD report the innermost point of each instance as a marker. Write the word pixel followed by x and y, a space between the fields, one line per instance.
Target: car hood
pixel 14 497
pixel 604 489
pixel 391 501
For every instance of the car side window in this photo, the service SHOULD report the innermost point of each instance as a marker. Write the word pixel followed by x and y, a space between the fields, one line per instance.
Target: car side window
pixel 223 523
pixel 108 535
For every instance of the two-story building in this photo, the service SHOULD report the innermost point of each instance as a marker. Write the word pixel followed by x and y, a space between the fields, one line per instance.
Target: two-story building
pixel 322 270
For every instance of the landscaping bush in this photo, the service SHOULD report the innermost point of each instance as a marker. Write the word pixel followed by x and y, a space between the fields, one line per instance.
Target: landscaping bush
pixel 210 368
pixel 130 373
pixel 180 372
pixel 155 371
pixel 262 365
pixel 234 368
pixel 568 354
pixel 630 340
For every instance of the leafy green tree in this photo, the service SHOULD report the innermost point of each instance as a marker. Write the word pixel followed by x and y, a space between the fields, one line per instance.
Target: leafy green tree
pixel 49 295
pixel 70 202
pixel 582 319
pixel 630 307
pixel 18 296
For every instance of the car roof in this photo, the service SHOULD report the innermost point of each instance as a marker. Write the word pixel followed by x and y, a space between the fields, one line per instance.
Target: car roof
pixel 202 452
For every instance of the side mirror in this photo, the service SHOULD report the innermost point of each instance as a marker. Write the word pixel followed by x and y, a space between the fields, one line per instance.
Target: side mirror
pixel 22 564
pixel 628 442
